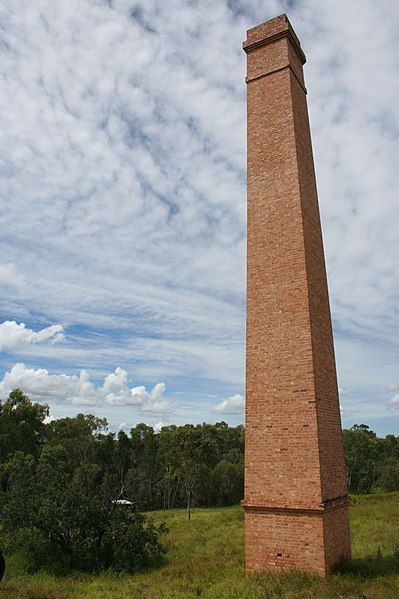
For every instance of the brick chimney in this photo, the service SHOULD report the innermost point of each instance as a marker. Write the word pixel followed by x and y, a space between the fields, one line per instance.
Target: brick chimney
pixel 296 503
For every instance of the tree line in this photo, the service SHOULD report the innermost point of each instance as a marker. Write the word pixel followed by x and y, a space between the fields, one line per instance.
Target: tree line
pixel 186 465
pixel 372 463
pixel 72 490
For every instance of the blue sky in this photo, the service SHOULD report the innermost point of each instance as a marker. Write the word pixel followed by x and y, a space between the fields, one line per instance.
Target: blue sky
pixel 122 211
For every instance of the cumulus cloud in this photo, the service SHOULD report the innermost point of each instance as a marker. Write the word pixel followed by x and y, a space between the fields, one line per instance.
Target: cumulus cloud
pixel 14 335
pixel 40 385
pixel 126 426
pixel 232 406
pixel 158 426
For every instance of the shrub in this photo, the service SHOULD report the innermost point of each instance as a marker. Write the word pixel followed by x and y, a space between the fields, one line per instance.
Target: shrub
pixel 53 512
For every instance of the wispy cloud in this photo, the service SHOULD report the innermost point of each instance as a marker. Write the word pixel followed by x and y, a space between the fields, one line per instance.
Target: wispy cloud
pixel 9 275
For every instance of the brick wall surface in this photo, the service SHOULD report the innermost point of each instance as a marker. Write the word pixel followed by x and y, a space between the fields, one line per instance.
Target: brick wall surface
pixel 296 507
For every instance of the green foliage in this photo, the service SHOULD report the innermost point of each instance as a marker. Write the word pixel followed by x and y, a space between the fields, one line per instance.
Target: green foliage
pixel 53 512
pixel 228 479
pixel 372 463
pixel 131 541
pixel 389 478
pixel 22 425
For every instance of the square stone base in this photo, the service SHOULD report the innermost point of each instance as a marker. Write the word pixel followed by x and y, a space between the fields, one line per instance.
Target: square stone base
pixel 283 539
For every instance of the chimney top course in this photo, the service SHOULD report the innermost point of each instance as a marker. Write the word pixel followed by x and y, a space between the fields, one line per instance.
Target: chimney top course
pixel 270 31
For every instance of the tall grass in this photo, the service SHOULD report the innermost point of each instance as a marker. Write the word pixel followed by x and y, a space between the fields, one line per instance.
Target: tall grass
pixel 205 559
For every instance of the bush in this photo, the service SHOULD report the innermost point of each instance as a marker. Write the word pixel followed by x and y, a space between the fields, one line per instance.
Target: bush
pixel 53 513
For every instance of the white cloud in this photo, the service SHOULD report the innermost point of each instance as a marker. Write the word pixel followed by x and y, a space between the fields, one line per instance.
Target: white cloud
pixel 13 335
pixel 233 406
pixel 40 385
pixel 395 399
pixel 116 392
pixel 158 426
pixel 126 426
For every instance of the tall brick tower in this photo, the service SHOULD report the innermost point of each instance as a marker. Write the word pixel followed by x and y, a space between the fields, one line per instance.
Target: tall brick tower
pixel 296 503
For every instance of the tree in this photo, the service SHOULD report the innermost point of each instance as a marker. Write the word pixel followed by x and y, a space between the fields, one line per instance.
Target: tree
pixel 53 509
pixel 362 455
pixel 22 425
pixel 228 482
pixel 143 475
pixel 197 454
pixel 168 459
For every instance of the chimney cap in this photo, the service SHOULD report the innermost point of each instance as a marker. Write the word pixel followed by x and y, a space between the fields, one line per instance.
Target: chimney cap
pixel 272 30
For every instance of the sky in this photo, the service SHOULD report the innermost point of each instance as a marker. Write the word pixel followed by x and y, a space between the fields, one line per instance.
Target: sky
pixel 123 203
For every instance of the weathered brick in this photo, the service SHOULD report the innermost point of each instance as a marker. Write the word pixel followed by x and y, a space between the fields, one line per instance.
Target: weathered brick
pixel 296 503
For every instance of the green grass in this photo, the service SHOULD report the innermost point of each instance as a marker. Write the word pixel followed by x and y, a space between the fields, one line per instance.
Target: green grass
pixel 205 559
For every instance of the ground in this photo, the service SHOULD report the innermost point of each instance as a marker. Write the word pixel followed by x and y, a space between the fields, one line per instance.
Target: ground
pixel 205 559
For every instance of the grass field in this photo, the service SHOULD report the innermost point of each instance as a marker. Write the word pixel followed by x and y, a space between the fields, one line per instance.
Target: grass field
pixel 205 559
